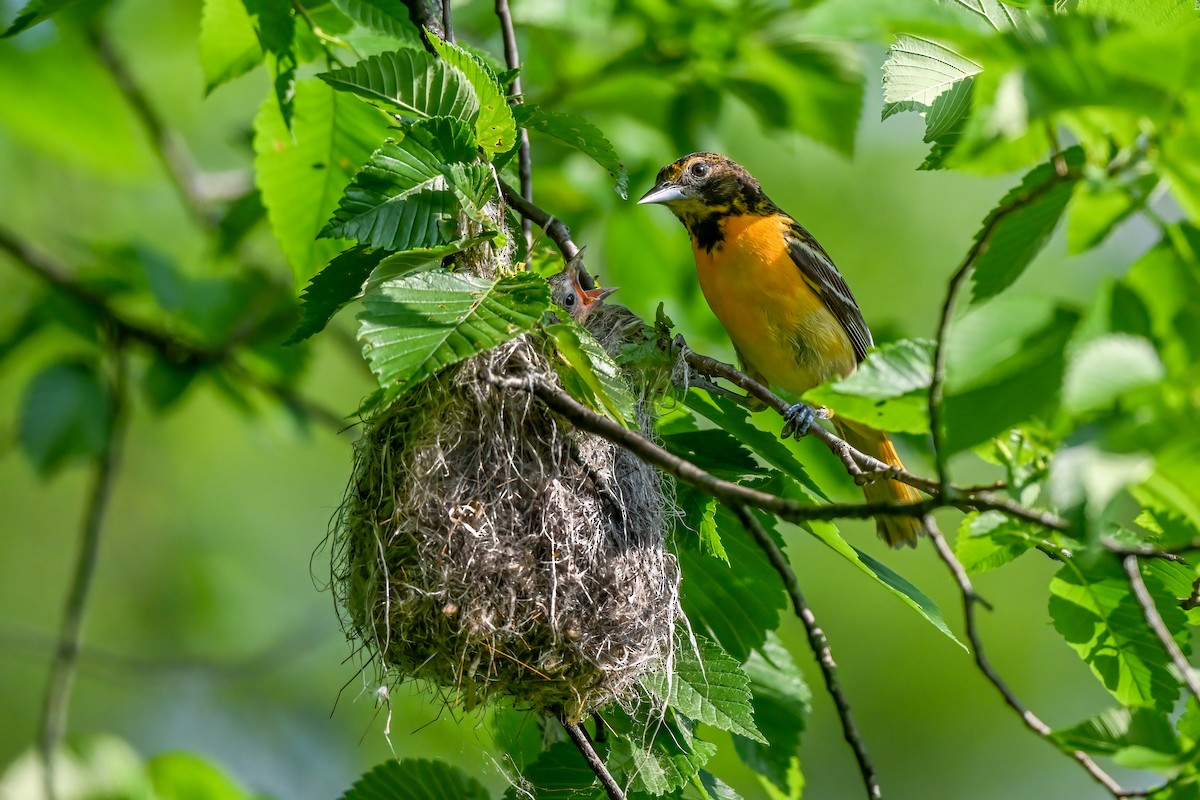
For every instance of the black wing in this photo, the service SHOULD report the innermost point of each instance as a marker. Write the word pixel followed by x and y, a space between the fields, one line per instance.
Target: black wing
pixel 818 269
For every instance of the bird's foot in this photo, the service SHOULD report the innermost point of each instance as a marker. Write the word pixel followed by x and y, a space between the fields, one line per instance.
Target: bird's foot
pixel 799 418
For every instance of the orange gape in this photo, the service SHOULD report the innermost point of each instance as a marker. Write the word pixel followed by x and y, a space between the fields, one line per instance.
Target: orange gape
pixel 789 312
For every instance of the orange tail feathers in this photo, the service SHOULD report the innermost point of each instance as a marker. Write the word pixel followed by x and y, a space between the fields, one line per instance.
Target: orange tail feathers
pixel 896 531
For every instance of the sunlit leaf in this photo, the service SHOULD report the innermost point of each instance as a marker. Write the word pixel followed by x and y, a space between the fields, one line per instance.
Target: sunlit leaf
pixel 598 377
pixel 389 17
pixel 494 127
pixel 709 686
pixel 782 702
pixel 228 46
pixel 415 779
pixel 989 540
pixel 415 326
pixel 183 776
pixel 1135 738
pixel 1108 367
pixel 888 391
pixel 659 754
pixel 302 172
pixel 929 78
pixel 575 131
pixel 410 81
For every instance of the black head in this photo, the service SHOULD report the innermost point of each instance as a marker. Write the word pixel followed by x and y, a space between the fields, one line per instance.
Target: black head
pixel 702 183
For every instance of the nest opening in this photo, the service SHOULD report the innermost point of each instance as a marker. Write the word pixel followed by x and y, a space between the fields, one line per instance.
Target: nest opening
pixel 488 547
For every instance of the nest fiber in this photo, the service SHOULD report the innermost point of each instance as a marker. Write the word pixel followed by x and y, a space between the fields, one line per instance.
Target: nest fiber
pixel 491 549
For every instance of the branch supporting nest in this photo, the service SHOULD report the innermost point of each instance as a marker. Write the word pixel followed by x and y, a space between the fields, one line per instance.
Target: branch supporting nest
pixel 581 741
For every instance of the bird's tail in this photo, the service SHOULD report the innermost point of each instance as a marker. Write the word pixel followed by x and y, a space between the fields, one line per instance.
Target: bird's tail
pixel 895 530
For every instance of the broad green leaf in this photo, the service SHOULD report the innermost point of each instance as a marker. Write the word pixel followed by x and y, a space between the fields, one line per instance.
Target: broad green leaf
pixel 990 540
pixel 559 771
pixel 228 46
pixel 494 127
pixel 575 131
pixel 929 78
pixel 1104 369
pixel 406 262
pixel 276 31
pixel 1095 211
pixel 782 703
pixel 389 17
pixel 411 81
pixel 1087 477
pixel 35 11
pixel 405 197
pixel 709 686
pixel 331 288
pixel 700 517
pixel 1135 738
pixel 420 324
pixel 715 788
pixel 1173 487
pixel 183 776
pixel 595 373
pixel 735 420
pixel 1000 15
pixel 66 414
pixel 658 754
pixel 1094 609
pixel 302 172
pixel 1019 235
pixel 1004 365
pixel 735 603
pixel 415 779
pixel 889 391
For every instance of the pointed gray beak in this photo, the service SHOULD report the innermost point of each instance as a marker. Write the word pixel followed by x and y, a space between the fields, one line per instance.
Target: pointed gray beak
pixel 664 193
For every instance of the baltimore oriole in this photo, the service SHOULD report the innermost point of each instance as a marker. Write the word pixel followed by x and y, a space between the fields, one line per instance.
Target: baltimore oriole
pixel 789 312
pixel 568 293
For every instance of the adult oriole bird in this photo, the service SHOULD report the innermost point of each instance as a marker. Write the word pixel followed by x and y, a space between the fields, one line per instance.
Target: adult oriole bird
pixel 790 314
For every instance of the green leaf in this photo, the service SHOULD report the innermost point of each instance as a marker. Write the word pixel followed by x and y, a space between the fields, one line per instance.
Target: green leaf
pixel 782 703
pixel 559 771
pixel 597 379
pixel 415 779
pixel 715 788
pixel 1106 368
pixel 709 686
pixel 659 755
pixel 1094 609
pixel 276 31
pixel 333 287
pixel 35 11
pixel 1019 235
pixel 407 262
pixel 302 172
pixel 889 391
pixel 411 81
pixel 495 129
pixel 1095 211
pixel 1004 365
pixel 417 325
pixel 183 776
pixel 575 131
pixel 389 17
pixel 735 603
pixel 929 78
pixel 228 46
pixel 700 517
pixel 66 414
pixel 407 198
pixel 1135 738
pixel 990 540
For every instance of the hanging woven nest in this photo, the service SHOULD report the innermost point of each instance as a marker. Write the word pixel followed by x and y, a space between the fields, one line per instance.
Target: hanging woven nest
pixel 491 549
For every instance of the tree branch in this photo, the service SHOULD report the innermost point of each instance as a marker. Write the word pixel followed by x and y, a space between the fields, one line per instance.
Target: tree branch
pixel 57 700
pixel 818 643
pixel 512 58
pixel 1156 623
pixel 580 739
pixel 858 463
pixel 553 227
pixel 970 599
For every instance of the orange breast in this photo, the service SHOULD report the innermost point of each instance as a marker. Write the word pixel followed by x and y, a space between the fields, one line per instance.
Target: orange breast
pixel 777 322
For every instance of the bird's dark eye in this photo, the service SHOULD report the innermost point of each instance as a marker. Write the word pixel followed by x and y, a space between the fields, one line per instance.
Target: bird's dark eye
pixel 699 169
pixel 569 300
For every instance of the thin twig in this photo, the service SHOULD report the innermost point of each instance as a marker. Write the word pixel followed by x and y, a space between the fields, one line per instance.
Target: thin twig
pixel 581 741
pixel 168 146
pixel 447 22
pixel 57 701
pixel 553 227
pixel 512 58
pixel 1156 623
pixel 818 643
pixel 970 599
pixel 730 493
pixel 981 500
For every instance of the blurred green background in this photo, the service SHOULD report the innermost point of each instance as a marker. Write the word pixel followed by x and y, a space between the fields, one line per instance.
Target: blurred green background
pixel 208 630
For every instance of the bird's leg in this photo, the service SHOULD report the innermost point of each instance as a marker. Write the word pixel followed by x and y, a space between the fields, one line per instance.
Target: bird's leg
pixel 799 418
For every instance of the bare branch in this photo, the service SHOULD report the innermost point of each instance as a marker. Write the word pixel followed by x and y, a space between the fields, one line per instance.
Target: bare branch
pixel 969 601
pixel 857 462
pixel 512 58
pixel 581 741
pixel 1156 623
pixel 554 228
pixel 57 700
pixel 425 18
pixel 819 645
